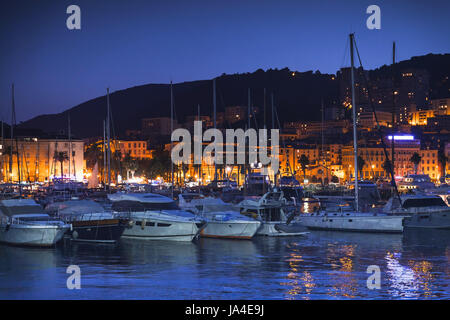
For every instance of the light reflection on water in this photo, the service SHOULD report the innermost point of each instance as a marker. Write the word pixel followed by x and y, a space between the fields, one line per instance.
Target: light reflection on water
pixel 324 265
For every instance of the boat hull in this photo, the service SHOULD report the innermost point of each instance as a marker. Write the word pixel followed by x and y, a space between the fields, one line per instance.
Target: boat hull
pixel 432 220
pixel 271 229
pixel 105 231
pixel 36 236
pixel 380 224
pixel 231 230
pixel 162 230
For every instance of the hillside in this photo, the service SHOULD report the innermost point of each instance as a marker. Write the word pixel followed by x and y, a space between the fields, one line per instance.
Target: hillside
pixel 297 96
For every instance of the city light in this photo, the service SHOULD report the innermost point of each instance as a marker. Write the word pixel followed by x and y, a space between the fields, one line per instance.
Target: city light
pixel 406 137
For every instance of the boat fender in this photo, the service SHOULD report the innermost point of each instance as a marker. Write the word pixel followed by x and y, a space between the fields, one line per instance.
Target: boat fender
pixel 130 223
pixel 8 225
pixel 143 223
pixel 71 227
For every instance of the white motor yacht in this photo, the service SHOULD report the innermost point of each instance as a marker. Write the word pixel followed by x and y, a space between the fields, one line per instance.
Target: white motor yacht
pixel 156 217
pixel 269 209
pixel 222 220
pixel 423 211
pixel 23 222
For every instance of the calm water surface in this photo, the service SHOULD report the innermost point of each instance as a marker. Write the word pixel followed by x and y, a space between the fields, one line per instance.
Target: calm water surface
pixel 323 265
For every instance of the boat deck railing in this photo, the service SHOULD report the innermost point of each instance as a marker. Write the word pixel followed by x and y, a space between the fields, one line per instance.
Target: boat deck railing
pixel 21 221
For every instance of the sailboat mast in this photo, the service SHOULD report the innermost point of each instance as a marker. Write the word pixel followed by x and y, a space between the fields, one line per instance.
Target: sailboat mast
pixel 273 117
pixel 104 154
pixel 13 123
pixel 393 110
pixel 264 108
pixel 12 135
pixel 355 138
pixel 171 130
pixel 70 145
pixel 321 129
pixel 273 127
pixel 200 176
pixel 3 145
pixel 248 111
pixel 215 127
pixel 108 133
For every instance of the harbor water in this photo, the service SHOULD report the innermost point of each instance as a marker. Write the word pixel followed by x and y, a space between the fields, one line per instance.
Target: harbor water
pixel 322 265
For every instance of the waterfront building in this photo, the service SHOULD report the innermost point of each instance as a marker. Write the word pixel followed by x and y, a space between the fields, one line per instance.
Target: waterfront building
pixel 429 163
pixel 367 119
pixel 374 159
pixel 137 149
pixel 447 154
pixel 441 106
pixel 420 117
pixel 41 160
pixel 314 128
pixel 439 123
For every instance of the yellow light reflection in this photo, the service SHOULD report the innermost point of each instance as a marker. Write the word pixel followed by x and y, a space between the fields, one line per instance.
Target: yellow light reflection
pixel 342 280
pixel 298 282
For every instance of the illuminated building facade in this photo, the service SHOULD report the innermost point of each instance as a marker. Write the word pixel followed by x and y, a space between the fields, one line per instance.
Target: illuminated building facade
pixel 136 149
pixel 41 160
pixel 404 149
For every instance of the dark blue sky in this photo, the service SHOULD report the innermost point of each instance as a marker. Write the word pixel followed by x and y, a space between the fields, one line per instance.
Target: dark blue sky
pixel 134 42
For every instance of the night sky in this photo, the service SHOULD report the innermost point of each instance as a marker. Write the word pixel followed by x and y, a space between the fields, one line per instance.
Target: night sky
pixel 132 42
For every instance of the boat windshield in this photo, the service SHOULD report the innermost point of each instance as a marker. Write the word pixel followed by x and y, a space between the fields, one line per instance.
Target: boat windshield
pixel 424 202
pixel 271 214
pixel 217 207
pixel 190 197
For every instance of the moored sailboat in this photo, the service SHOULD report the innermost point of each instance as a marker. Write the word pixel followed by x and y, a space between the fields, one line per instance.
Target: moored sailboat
pixel 348 218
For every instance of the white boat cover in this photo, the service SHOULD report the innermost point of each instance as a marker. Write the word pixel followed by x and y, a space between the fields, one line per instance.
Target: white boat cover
pixel 12 207
pixel 139 197
pixel 75 207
